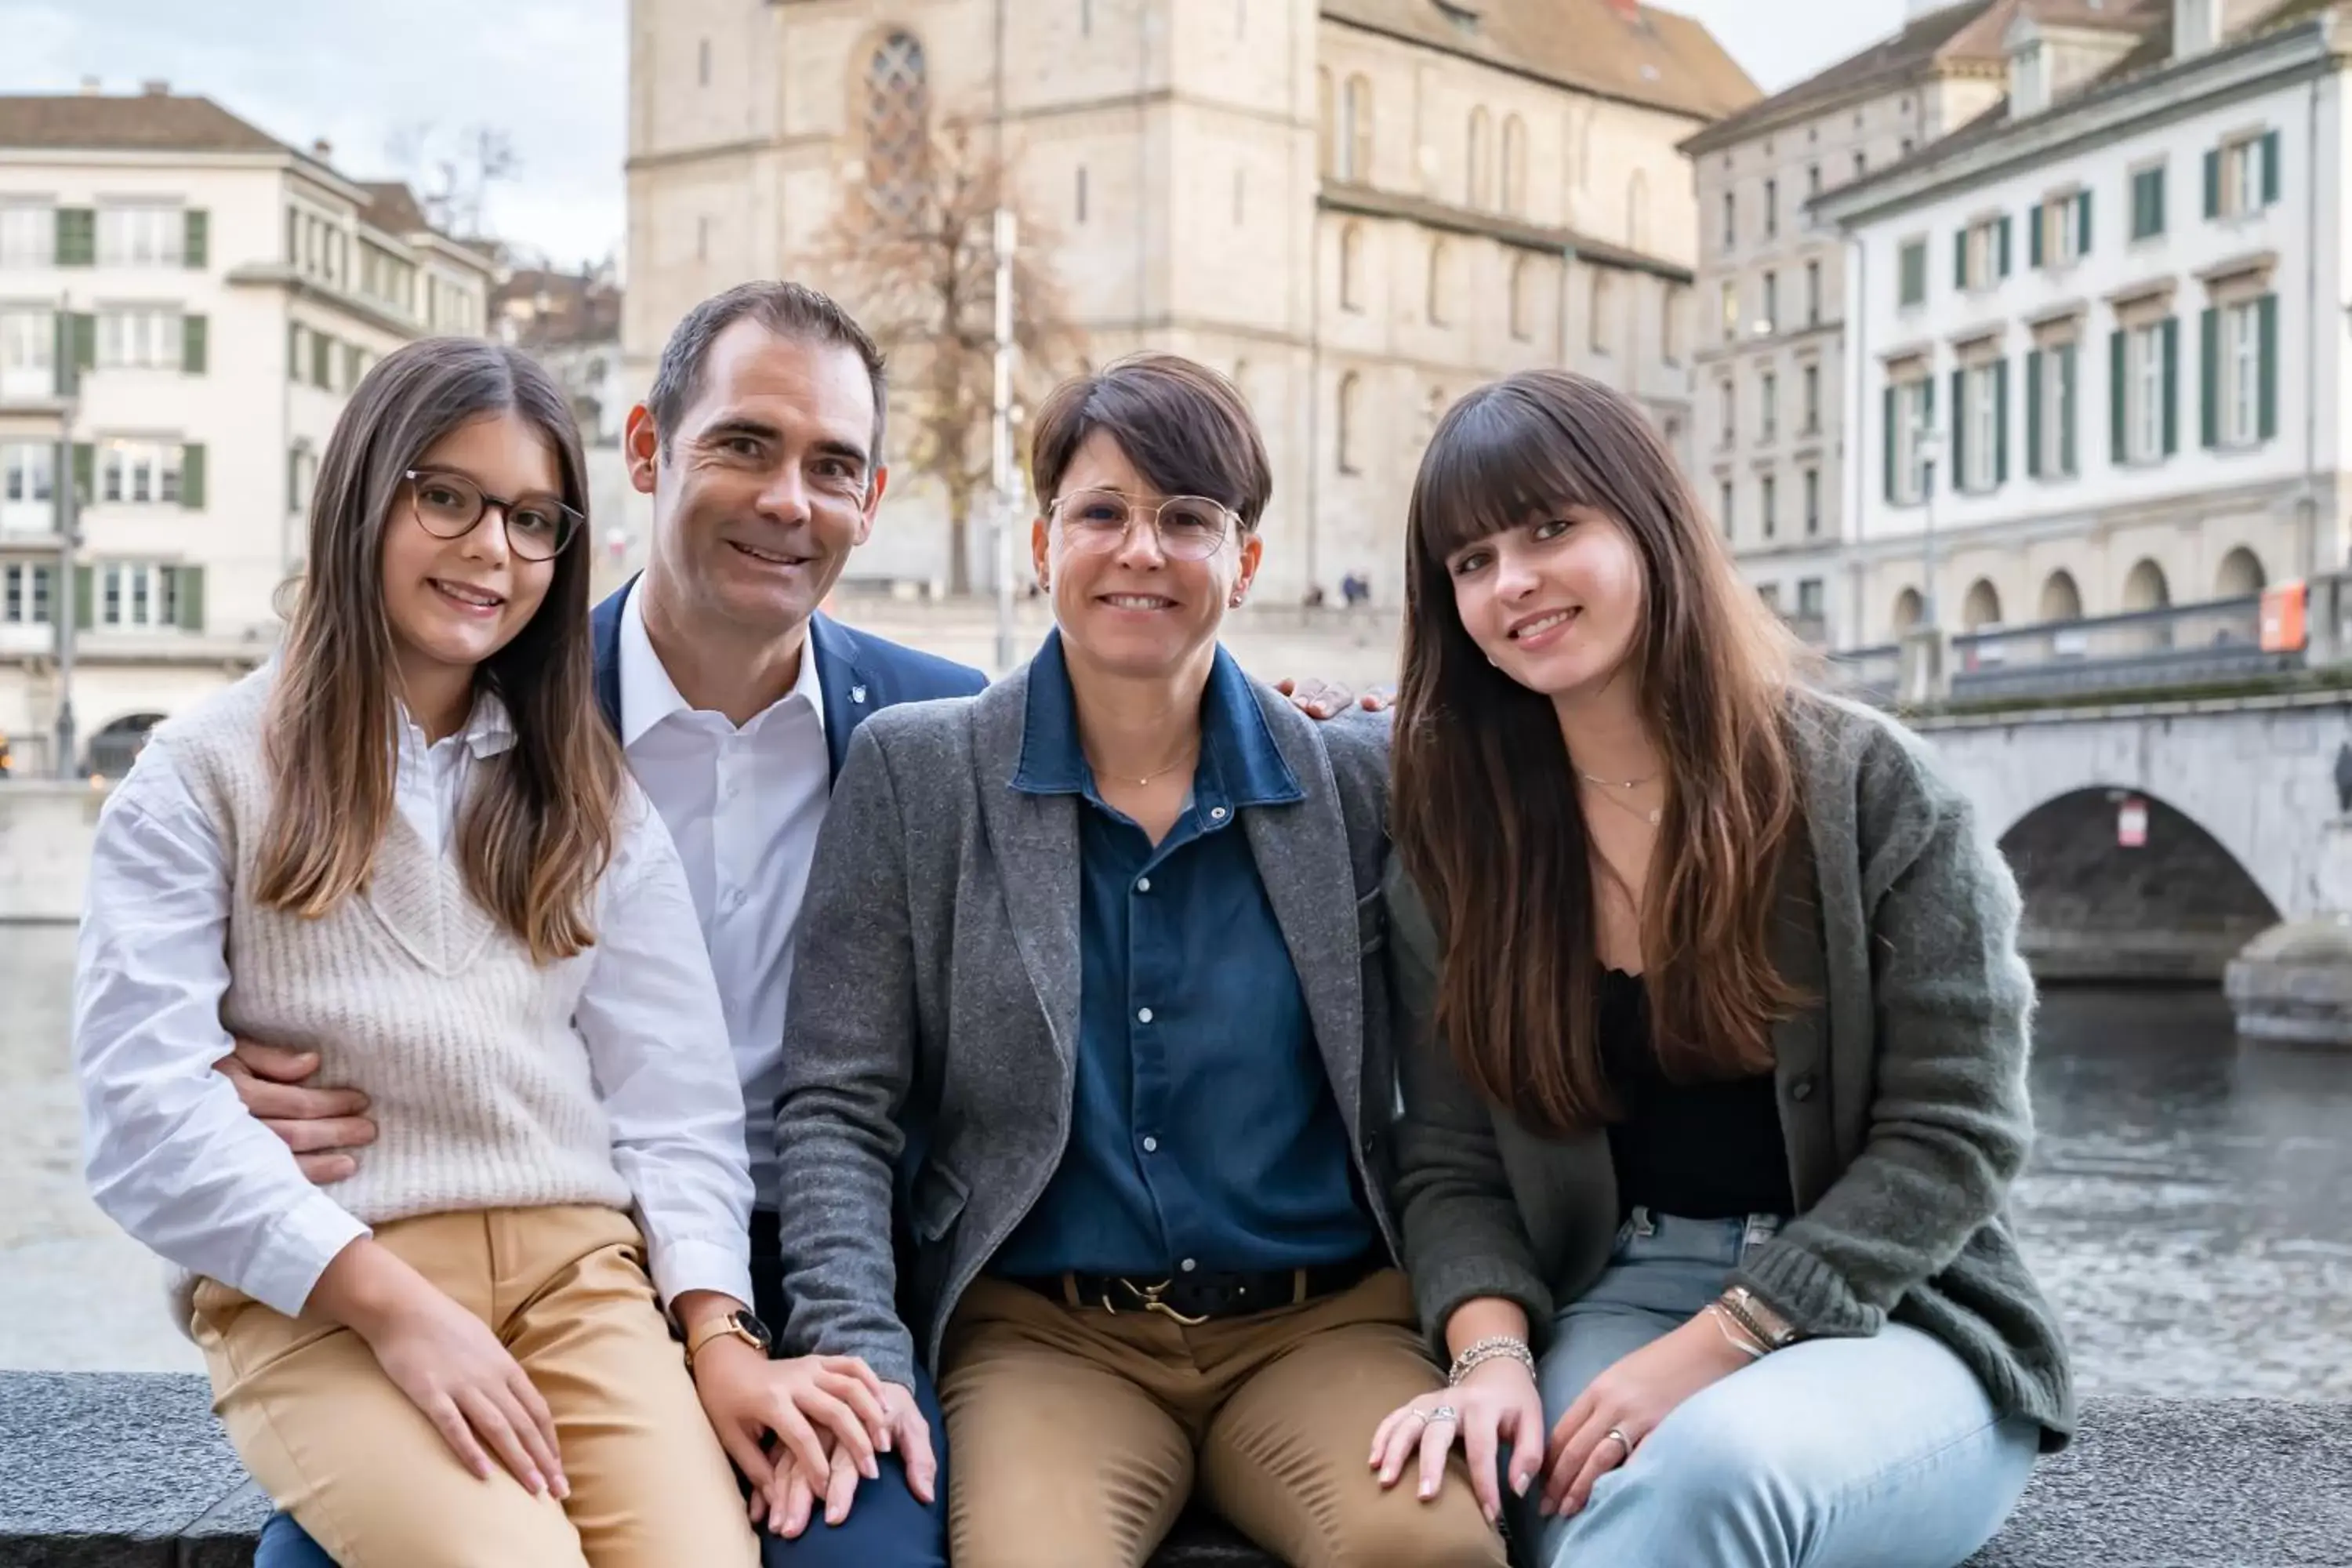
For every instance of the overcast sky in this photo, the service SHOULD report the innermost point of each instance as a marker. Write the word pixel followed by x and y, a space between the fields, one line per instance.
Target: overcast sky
pixel 552 73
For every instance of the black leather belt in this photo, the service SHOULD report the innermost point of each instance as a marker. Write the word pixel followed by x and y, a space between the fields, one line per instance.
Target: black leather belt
pixel 1195 1299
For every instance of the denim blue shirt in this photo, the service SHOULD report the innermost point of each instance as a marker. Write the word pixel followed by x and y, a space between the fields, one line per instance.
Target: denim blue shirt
pixel 1204 1135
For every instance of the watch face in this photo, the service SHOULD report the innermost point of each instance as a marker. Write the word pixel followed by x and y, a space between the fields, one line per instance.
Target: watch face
pixel 757 1329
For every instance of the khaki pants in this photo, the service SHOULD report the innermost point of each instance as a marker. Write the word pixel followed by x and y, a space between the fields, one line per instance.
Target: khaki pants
pixel 1079 1434
pixel 339 1446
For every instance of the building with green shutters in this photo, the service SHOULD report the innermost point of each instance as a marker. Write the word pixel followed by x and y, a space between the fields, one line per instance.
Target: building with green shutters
pixel 2095 341
pixel 186 303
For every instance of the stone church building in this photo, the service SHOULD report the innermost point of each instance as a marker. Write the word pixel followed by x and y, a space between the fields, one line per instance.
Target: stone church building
pixel 1358 209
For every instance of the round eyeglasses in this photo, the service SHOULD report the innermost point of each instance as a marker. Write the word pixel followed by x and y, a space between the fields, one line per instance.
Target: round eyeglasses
pixel 1190 527
pixel 451 505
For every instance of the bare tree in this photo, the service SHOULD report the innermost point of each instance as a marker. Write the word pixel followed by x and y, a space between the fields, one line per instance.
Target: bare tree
pixel 911 252
pixel 453 173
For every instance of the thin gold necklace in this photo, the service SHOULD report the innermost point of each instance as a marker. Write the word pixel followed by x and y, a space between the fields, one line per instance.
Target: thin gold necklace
pixel 1647 814
pixel 1156 772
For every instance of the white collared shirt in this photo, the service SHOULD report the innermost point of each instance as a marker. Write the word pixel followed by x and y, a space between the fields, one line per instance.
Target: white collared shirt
pixel 173 1153
pixel 743 807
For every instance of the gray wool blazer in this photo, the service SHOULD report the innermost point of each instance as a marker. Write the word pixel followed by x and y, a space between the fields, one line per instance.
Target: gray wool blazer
pixel 933 1031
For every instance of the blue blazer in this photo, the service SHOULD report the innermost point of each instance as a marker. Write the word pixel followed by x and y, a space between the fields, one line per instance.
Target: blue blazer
pixel 861 674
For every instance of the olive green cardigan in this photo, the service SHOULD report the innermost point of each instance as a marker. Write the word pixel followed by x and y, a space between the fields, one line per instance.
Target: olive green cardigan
pixel 1902 1094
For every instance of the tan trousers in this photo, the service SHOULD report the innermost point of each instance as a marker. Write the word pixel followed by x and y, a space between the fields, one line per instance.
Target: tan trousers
pixel 1079 1434
pixel 339 1446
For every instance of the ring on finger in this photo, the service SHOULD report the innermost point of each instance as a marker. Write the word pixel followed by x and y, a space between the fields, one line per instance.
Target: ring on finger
pixel 1445 1413
pixel 1420 1415
pixel 1619 1433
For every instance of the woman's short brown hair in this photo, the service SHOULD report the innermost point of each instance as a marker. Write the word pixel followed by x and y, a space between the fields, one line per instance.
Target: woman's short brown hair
pixel 1183 427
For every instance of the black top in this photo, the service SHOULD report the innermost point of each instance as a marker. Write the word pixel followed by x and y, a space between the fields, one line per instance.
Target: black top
pixel 1701 1150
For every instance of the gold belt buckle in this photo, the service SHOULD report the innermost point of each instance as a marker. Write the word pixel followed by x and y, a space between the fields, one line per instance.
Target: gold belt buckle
pixel 1153 1303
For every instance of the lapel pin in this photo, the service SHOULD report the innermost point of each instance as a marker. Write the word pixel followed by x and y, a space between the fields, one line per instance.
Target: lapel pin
pixel 857 695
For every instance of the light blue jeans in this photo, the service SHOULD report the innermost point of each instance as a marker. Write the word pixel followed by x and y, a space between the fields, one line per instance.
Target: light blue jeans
pixel 1876 1453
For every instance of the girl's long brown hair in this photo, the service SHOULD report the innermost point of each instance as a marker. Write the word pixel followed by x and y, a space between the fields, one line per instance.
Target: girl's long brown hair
pixel 537 830
pixel 1487 814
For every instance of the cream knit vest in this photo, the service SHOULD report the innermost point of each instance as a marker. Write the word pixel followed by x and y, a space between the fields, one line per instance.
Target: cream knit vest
pixel 476 1077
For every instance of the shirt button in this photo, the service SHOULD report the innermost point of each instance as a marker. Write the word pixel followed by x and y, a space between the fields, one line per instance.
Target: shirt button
pixel 1143 1015
pixel 1801 1090
pixel 1143 884
pixel 1216 814
pixel 1152 1145
pixel 1188 1265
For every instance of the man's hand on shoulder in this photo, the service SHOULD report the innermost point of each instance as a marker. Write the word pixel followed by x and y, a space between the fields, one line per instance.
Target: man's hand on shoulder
pixel 324 1127
pixel 1320 699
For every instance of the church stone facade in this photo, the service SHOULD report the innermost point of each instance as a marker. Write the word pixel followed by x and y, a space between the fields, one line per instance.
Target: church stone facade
pixel 1358 209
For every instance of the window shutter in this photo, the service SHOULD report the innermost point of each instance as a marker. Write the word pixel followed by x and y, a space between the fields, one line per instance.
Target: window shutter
pixel 195 238
pixel 2171 384
pixel 76 236
pixel 2066 353
pixel 2139 214
pixel 2033 464
pixel 190 582
pixel 2117 449
pixel 2269 167
pixel 2157 179
pixel 2267 371
pixel 2000 422
pixel 192 476
pixel 2083 223
pixel 2004 245
pixel 2209 401
pixel 194 333
pixel 1957 481
pixel 323 360
pixel 2212 182
pixel 85 341
pixel 83 595
pixel 2033 224
pixel 1961 259
pixel 1889 487
pixel 85 472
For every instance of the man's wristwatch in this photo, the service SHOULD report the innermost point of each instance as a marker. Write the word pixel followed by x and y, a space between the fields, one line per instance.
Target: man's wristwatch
pixel 738 1324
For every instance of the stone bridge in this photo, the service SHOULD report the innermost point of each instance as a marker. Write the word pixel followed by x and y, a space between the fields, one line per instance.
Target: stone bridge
pixel 2242 829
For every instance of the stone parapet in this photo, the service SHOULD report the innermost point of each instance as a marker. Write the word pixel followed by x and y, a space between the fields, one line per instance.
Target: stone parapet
pixel 130 1471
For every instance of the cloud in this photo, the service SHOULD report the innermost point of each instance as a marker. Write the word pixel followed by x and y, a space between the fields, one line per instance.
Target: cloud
pixel 553 74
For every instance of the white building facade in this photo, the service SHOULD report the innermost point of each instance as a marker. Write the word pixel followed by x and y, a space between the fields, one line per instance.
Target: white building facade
pixel 2118 315
pixel 1769 446
pixel 185 304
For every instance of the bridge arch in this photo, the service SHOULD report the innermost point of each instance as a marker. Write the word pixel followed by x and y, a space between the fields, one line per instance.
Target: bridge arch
pixel 2177 906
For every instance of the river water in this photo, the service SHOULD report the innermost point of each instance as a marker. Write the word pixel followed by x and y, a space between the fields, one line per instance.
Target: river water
pixel 2187 1203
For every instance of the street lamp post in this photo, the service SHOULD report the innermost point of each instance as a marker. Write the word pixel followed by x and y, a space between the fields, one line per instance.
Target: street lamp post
pixel 1927 446
pixel 69 498
pixel 1001 466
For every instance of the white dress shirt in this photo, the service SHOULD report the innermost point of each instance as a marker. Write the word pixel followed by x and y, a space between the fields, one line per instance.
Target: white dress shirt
pixel 743 807
pixel 174 1157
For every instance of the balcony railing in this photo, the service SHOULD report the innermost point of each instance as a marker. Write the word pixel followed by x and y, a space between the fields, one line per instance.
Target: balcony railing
pixel 2220 639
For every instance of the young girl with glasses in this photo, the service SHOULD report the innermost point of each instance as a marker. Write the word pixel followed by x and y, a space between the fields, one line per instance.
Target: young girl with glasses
pixel 409 845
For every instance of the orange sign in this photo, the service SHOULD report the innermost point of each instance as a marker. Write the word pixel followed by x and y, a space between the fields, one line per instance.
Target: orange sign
pixel 2283 630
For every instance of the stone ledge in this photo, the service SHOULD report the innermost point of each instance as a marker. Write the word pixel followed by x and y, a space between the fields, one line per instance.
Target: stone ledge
pixel 129 1471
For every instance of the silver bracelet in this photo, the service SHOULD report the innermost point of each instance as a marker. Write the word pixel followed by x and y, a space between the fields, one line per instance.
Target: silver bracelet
pixel 1738 1339
pixel 1494 1347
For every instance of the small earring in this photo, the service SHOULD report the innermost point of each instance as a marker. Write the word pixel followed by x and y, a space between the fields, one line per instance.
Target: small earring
pixel 1490 659
pixel 1237 598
